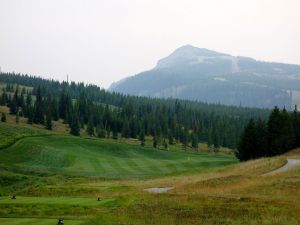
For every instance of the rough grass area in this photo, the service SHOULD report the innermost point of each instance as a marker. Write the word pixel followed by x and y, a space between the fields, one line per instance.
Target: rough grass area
pixel 10 133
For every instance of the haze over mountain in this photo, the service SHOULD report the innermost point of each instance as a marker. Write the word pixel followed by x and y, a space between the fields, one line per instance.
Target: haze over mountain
pixel 201 74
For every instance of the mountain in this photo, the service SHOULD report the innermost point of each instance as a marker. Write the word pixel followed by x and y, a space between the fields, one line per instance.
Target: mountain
pixel 204 75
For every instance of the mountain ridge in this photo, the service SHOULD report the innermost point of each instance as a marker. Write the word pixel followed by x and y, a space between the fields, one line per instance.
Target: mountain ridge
pixel 210 76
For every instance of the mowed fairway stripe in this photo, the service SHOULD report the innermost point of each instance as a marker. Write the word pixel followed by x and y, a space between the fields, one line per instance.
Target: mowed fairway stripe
pixel 118 167
pixel 98 167
pixel 132 166
pixel 174 167
pixel 146 163
pixel 156 165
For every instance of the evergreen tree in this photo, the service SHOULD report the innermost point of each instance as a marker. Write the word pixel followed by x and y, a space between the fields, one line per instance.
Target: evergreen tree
pixel 216 138
pixel 185 138
pixel 100 131
pixel 142 138
pixel 21 104
pixel 247 143
pixel 288 134
pixel 171 139
pixel 17 117
pixel 49 120
pixel 296 124
pixel 126 129
pixel 28 104
pixel 194 141
pixel 30 114
pixel 90 127
pixel 62 104
pixel 54 109
pixel 14 103
pixel 38 108
pixel 274 132
pixel 210 137
pixel 165 144
pixel 115 131
pixel 155 141
pixel 261 138
pixel 75 126
pixel 3 117
pixel 4 98
pixel 108 132
pixel 281 136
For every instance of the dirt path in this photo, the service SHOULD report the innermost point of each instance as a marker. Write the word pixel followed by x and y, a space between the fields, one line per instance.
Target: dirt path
pixel 291 163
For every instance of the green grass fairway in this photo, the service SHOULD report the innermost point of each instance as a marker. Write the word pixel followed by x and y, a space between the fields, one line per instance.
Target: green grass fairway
pixel 34 221
pixel 102 158
pixel 55 201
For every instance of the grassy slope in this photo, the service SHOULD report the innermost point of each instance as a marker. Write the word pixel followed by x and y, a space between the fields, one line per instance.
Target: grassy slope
pixel 235 194
pixel 102 158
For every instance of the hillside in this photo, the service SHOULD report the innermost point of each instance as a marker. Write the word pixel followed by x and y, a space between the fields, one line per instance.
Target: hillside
pixel 89 108
pixel 67 155
pixel 61 176
pixel 209 76
pixel 100 175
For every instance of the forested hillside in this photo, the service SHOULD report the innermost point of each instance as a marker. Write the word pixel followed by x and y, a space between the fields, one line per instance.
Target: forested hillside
pixel 106 114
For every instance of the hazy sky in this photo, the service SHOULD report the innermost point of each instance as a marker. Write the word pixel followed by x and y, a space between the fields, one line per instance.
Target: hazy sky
pixel 103 41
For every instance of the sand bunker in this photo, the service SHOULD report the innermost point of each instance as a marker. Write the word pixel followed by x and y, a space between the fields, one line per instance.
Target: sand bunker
pixel 158 189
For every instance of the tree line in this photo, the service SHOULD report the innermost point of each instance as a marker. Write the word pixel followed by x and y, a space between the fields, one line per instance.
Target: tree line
pixel 105 114
pixel 279 134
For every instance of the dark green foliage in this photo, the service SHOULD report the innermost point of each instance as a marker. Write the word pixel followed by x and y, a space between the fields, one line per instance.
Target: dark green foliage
pixel 38 108
pixel 248 142
pixel 280 132
pixel 165 144
pixel 171 139
pixel 30 114
pixel 100 131
pixel 115 113
pixel 74 125
pixel 114 132
pixel 13 105
pixel 261 136
pixel 276 137
pixel 4 98
pixel 49 111
pixel 54 109
pixel 28 105
pixel 184 138
pixel 17 117
pixel 194 141
pixel 296 125
pixel 126 129
pixel 49 120
pixel 3 117
pixel 155 142
pixel 142 138
pixel 90 127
